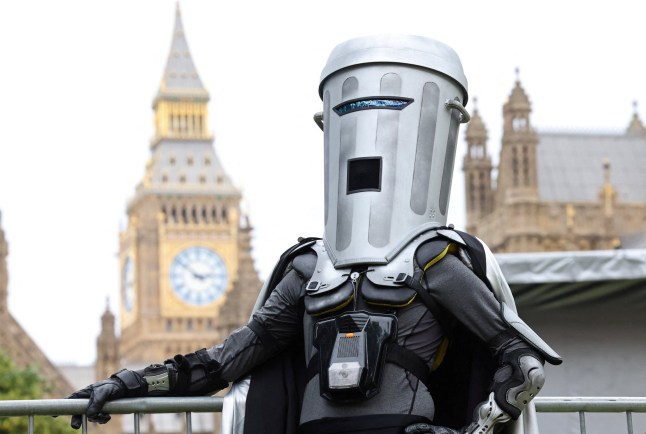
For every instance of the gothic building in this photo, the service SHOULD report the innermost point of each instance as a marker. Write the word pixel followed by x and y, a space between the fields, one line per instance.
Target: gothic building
pixel 187 276
pixel 16 343
pixel 555 191
pixel 186 271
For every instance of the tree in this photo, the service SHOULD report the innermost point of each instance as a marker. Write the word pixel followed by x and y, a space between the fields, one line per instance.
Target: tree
pixel 18 383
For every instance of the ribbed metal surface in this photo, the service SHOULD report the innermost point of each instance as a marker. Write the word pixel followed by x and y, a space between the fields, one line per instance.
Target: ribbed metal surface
pixel 349 347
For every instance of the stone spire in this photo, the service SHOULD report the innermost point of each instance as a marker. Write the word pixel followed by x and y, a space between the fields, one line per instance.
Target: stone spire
pixel 180 75
pixel 518 102
pixel 517 180
pixel 181 104
pixel 636 127
pixel 107 346
pixel 476 131
pixel 477 169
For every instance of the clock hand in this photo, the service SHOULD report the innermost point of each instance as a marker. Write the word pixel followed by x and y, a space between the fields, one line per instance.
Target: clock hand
pixel 190 269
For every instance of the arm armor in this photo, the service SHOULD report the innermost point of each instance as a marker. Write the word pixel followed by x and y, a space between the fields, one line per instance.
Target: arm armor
pixel 183 375
pixel 519 378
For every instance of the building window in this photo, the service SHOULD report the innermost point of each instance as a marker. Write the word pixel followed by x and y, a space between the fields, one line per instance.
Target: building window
pixel 519 124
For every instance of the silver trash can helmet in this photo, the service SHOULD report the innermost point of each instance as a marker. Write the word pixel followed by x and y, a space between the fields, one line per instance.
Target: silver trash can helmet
pixel 391 110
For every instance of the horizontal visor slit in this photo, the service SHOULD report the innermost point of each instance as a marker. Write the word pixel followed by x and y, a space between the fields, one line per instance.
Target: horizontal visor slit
pixel 389 103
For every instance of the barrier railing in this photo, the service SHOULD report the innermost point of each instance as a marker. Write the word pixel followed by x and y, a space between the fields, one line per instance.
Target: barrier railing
pixel 134 406
pixel 583 405
pixel 189 405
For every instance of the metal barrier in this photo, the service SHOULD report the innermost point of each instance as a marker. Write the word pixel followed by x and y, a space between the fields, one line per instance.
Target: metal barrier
pixel 134 406
pixel 189 405
pixel 583 405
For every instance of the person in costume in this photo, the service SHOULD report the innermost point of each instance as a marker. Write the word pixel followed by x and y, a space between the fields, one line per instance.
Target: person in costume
pixel 393 322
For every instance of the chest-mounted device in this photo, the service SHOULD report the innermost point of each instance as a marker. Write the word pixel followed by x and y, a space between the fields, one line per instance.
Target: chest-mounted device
pixel 352 349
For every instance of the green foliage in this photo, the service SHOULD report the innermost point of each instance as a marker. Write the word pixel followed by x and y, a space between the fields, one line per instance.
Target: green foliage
pixel 18 383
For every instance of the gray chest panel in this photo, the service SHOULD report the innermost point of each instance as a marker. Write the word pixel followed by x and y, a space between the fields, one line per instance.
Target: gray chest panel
pixel 331 289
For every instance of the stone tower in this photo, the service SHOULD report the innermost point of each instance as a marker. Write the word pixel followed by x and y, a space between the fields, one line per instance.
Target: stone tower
pixel 517 180
pixel 187 277
pixel 107 347
pixel 477 171
pixel 555 190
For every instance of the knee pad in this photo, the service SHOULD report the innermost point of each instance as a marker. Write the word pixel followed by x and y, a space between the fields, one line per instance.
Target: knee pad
pixel 518 379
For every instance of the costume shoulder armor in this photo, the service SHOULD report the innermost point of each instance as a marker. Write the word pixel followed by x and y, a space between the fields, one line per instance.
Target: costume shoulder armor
pixel 329 289
pixel 382 286
pixel 281 267
pixel 305 263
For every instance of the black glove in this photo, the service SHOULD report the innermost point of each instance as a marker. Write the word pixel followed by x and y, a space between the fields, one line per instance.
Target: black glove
pixel 425 428
pixel 120 385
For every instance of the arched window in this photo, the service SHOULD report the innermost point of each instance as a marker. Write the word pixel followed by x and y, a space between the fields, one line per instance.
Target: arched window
pixel 526 165
pixel 514 165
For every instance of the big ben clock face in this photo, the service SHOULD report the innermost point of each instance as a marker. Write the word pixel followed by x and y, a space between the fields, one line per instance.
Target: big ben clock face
pixel 198 276
pixel 128 284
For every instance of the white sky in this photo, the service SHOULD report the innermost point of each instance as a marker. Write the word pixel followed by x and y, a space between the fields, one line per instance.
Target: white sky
pixel 77 79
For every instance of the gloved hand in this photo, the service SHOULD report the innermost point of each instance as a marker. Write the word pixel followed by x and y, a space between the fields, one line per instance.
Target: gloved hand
pixel 103 391
pixel 425 428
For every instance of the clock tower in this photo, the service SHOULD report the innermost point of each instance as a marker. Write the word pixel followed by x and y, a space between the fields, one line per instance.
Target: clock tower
pixel 187 277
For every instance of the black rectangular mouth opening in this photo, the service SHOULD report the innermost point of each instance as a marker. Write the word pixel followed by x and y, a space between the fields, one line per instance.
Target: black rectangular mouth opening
pixel 364 174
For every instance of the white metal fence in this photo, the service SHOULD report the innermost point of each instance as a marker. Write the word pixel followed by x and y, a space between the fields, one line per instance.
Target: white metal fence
pixel 583 405
pixel 189 405
pixel 135 406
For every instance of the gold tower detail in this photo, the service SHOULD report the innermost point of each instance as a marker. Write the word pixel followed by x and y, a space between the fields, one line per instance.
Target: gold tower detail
pixel 187 277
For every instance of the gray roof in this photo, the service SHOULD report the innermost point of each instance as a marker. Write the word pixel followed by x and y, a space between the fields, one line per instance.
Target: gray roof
pixel 570 166
pixel 180 76
pixel 634 241
pixel 188 167
pixel 568 279
pixel 78 376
